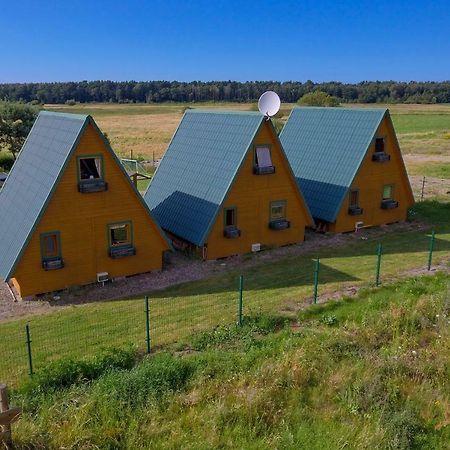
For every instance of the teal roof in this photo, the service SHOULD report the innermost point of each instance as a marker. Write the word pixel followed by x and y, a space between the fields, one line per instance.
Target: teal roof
pixel 198 169
pixel 325 148
pixel 33 178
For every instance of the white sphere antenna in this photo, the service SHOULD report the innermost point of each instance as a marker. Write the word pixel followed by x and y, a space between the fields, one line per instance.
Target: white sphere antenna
pixel 269 104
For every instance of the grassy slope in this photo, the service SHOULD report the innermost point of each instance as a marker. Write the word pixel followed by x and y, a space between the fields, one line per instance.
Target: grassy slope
pixel 281 285
pixel 369 372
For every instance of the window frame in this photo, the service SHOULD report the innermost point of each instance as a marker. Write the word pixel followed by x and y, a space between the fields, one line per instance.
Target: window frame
pixel 102 175
pixel 230 208
pixel 122 222
pixel 392 192
pixel 255 158
pixel 42 236
pixel 350 204
pixel 274 204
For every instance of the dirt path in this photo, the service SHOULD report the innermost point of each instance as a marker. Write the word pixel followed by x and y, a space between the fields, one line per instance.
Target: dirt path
pixel 182 269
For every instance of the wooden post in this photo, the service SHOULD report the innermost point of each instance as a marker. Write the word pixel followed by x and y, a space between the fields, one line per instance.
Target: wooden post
pixel 423 189
pixel 7 416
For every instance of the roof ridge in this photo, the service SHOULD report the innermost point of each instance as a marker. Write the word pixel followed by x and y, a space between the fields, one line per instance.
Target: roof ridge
pixel 66 115
pixel 222 111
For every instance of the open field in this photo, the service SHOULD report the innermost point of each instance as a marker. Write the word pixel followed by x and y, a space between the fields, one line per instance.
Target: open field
pixel 144 131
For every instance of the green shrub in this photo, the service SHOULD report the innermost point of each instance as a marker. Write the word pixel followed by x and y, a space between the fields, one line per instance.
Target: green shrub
pixel 67 372
pixel 6 161
pixel 318 98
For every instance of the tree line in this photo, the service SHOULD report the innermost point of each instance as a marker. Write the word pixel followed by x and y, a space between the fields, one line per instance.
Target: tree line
pixel 222 91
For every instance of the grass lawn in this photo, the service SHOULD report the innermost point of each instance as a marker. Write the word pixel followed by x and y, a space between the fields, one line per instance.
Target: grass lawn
pixel 280 286
pixel 363 372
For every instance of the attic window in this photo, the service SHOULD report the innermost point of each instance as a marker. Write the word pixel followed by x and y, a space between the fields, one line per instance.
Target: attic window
pixel 121 240
pixel 263 160
pixel 379 145
pixel 90 174
pixel 380 154
pixel 230 217
pixel 51 251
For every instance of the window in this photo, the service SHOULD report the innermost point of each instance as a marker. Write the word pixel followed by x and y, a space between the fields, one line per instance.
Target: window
pixel 120 234
pixel 51 251
pixel 50 246
pixel 263 158
pixel 90 174
pixel 90 168
pixel 379 145
pixel 387 191
pixel 354 199
pixel 263 161
pixel 230 217
pixel 278 210
pixel 120 237
pixel 230 230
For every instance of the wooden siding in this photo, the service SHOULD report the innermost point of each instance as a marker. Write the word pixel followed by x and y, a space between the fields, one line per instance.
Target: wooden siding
pixel 370 179
pixel 251 195
pixel 82 222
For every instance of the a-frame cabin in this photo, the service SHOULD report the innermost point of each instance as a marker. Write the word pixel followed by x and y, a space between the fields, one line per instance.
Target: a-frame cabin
pixel 224 186
pixel 70 214
pixel 348 165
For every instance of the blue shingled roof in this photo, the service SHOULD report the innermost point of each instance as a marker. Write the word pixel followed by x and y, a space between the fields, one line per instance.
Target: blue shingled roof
pixel 325 148
pixel 197 170
pixel 33 178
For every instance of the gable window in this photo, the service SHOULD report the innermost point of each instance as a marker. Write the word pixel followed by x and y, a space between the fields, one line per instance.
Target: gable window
pixel 379 145
pixel 51 251
pixel 263 160
pixel 120 237
pixel 277 216
pixel 353 203
pixel 90 174
pixel 380 154
pixel 387 201
pixel 230 223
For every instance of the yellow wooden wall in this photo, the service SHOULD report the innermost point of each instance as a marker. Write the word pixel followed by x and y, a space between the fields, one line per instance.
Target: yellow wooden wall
pixel 82 222
pixel 371 178
pixel 252 194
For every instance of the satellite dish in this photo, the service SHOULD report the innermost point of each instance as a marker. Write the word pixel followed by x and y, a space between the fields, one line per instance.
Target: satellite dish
pixel 269 104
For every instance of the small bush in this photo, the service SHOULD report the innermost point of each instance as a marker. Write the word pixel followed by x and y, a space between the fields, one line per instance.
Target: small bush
pixel 6 161
pixel 71 102
pixel 67 372
pixel 329 319
pixel 318 98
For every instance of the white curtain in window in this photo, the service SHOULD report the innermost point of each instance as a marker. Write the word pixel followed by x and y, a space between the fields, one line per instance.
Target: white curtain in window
pixel 263 157
pixel 98 166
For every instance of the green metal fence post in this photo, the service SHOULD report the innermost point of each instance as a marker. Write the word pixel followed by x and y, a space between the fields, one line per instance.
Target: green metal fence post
pixel 147 323
pixel 379 253
pixel 28 342
pixel 430 254
pixel 316 278
pixel 240 305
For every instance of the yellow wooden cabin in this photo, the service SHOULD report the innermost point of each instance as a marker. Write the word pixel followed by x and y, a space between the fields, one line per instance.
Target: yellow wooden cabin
pixel 225 187
pixel 70 214
pixel 349 166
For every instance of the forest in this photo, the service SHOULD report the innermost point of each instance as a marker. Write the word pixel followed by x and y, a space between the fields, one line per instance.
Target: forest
pixel 222 91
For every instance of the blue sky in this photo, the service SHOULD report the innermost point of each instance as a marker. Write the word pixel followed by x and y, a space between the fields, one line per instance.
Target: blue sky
pixel 321 40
